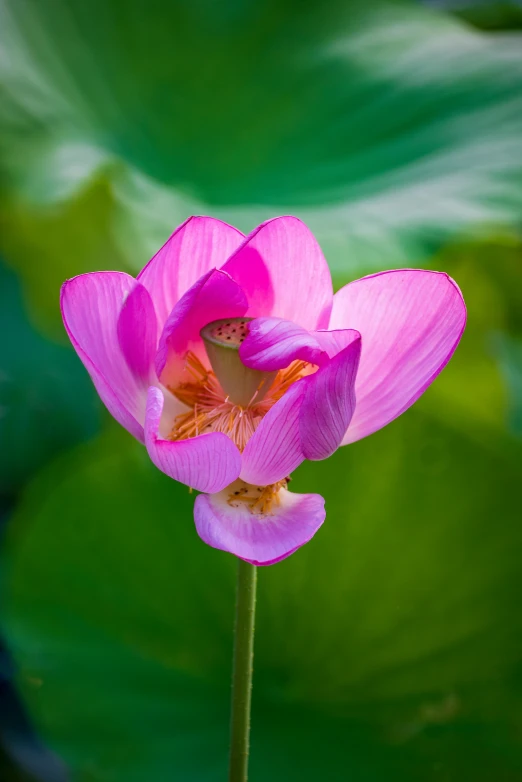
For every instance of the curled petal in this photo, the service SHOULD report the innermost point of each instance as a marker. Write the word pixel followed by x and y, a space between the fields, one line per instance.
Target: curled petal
pixel 215 295
pixel 137 330
pixel 329 403
pixel 275 449
pixel 273 343
pixel 283 272
pixel 411 322
pixel 91 306
pixel 261 539
pixel 195 247
pixel 207 463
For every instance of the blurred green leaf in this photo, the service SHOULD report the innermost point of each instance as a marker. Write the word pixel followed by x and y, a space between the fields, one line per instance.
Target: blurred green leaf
pixel 389 647
pixel 53 243
pixel 486 14
pixel 47 402
pixel 390 128
pixel 509 352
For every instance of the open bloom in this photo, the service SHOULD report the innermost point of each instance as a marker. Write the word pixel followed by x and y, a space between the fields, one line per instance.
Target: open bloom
pixel 232 360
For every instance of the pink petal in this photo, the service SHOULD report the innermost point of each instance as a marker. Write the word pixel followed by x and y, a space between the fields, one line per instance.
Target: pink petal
pixel 411 322
pixel 137 330
pixel 213 296
pixel 274 450
pixel 91 305
pixel 195 247
pixel 208 462
pixel 329 403
pixel 332 342
pixel 259 539
pixel 283 272
pixel 273 343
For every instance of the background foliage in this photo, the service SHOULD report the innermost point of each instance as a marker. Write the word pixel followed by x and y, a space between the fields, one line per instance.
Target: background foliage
pixel 390 646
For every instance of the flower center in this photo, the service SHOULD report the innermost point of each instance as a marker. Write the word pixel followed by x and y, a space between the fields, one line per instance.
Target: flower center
pixel 229 398
pixel 211 410
pixel 241 384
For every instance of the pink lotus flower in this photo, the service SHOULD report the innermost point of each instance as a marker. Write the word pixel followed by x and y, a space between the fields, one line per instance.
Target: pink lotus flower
pixel 233 361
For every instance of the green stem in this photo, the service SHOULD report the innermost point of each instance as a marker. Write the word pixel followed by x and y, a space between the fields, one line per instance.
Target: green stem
pixel 242 675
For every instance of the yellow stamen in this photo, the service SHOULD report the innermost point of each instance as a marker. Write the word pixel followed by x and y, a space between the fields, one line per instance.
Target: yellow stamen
pixel 211 411
pixel 260 500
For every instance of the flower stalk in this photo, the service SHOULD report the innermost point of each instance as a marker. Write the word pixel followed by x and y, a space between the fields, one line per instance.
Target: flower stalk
pixel 242 671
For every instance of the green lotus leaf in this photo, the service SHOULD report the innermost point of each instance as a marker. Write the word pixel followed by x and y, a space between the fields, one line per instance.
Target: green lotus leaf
pixel 389 128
